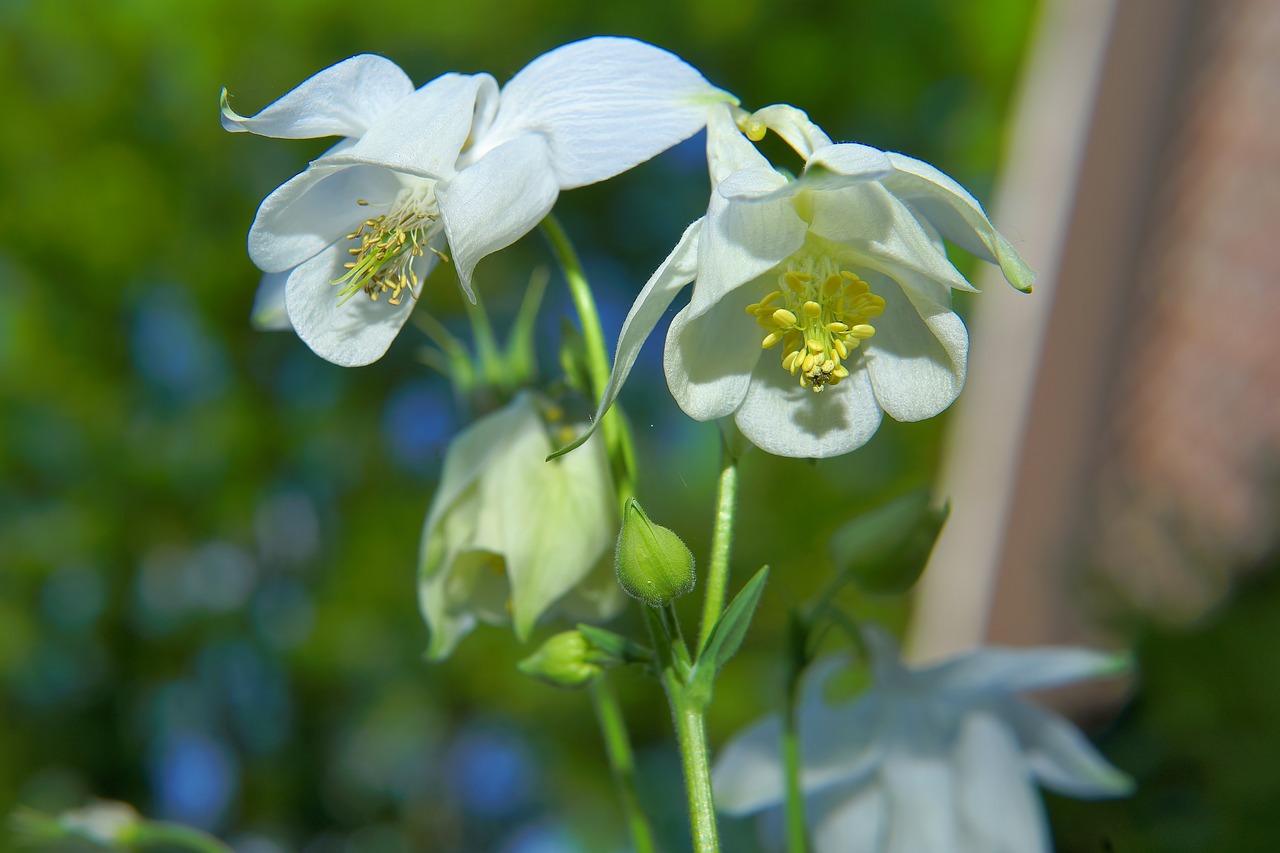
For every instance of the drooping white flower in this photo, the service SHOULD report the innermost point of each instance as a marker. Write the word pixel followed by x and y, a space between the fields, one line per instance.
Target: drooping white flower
pixel 453 168
pixel 835 282
pixel 510 535
pixel 944 758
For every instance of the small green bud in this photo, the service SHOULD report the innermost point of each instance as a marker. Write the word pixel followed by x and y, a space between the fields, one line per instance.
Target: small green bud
pixel 653 565
pixel 564 660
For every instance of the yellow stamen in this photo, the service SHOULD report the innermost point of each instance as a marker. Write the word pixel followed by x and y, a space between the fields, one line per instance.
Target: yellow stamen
pixel 382 262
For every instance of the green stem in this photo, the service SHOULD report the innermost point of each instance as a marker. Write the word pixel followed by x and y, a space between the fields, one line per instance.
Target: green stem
pixel 797 841
pixel 598 367
pixel 691 730
pixel 618 747
pixel 721 542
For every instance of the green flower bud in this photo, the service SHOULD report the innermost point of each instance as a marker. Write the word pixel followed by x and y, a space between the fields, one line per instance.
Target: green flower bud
pixel 564 660
pixel 653 565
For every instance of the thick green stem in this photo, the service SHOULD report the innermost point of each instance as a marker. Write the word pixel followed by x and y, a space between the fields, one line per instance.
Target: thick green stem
pixel 176 836
pixel 797 841
pixel 691 729
pixel 618 747
pixel 721 542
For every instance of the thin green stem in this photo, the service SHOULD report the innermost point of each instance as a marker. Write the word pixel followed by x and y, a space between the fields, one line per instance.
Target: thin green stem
pixel 618 747
pixel 598 366
pixel 721 542
pixel 797 841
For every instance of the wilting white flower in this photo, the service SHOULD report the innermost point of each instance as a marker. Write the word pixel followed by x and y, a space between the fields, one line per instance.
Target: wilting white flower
pixel 511 535
pixel 835 282
pixel 454 167
pixel 944 758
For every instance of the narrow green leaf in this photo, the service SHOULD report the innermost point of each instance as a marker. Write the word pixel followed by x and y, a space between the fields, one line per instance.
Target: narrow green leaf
pixel 727 635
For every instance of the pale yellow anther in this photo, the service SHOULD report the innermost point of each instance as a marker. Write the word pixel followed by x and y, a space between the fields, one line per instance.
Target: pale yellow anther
pixel 814 346
pixel 811 309
pixel 862 331
pixel 807 364
pixel 841 349
pixel 832 285
pixel 840 372
pixel 771 340
pixel 784 318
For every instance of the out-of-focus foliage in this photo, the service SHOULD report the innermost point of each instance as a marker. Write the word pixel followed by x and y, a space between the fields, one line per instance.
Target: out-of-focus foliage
pixel 208 535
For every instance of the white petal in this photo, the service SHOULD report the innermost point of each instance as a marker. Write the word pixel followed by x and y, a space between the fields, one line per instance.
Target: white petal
pixel 831 168
pixel 269 310
pixel 850 820
pixel 558 519
pixel 922 807
pixel 916 364
pixel 668 280
pixel 957 214
pixel 997 670
pixel 794 126
pixel 496 201
pixel 1062 758
pixel 425 132
pixel 728 151
pixel 999 808
pixel 784 419
pixel 312 210
pixel 709 359
pixel 342 100
pixel 604 105
pixel 742 241
pixel 884 235
pixel 351 333
pixel 840 744
pixel 747 775
pixel 854 162
pixel 596 598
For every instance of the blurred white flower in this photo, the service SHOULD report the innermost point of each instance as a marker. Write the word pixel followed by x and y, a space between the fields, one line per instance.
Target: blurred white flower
pixel 510 536
pixel 842 271
pixel 454 166
pixel 944 758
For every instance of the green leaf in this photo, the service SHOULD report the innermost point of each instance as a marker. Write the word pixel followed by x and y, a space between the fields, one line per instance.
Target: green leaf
pixel 573 358
pixel 608 644
pixel 884 551
pixel 727 635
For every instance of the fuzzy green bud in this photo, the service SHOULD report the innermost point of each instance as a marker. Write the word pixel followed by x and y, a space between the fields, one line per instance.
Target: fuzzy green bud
pixel 653 565
pixel 564 660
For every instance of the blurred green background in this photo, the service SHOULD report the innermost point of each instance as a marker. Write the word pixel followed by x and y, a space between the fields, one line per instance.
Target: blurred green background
pixel 208 535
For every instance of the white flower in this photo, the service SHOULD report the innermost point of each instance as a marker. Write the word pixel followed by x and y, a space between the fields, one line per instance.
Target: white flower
pixel 510 535
pixel 938 759
pixel 841 275
pixel 454 166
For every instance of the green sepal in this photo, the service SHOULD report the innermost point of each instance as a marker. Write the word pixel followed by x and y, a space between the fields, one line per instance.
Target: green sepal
pixel 884 551
pixel 612 648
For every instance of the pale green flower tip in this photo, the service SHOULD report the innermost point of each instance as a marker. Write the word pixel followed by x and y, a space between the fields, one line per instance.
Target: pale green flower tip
pixel 654 566
pixel 571 446
pixel 1015 269
pixel 230 118
pixel 1116 663
pixel 712 96
pixel 564 660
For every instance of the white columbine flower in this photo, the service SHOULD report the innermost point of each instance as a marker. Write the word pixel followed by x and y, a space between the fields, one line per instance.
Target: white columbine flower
pixel 510 535
pixel 835 282
pixel 454 167
pixel 944 758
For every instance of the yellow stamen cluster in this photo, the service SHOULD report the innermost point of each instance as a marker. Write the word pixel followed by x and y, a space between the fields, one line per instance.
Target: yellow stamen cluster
pixel 819 314
pixel 383 260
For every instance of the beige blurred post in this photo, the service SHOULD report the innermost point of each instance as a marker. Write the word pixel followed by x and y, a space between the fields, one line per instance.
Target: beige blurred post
pixel 1071 198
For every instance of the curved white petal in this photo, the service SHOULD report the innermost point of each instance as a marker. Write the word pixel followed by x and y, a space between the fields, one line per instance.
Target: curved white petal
pixel 916 363
pixel 851 161
pixel 995 670
pixel 424 134
pixel 604 105
pixel 957 214
pixel 742 241
pixel 883 234
pixel 839 744
pixel 794 126
pixel 668 280
pixel 269 311
pixel 922 807
pixel 351 333
pixel 747 775
pixel 709 359
pixel 342 100
pixel 312 210
pixel 752 184
pixel 728 151
pixel 999 808
pixel 784 419
pixel 847 820
pixel 1062 758
pixel 596 598
pixel 496 201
